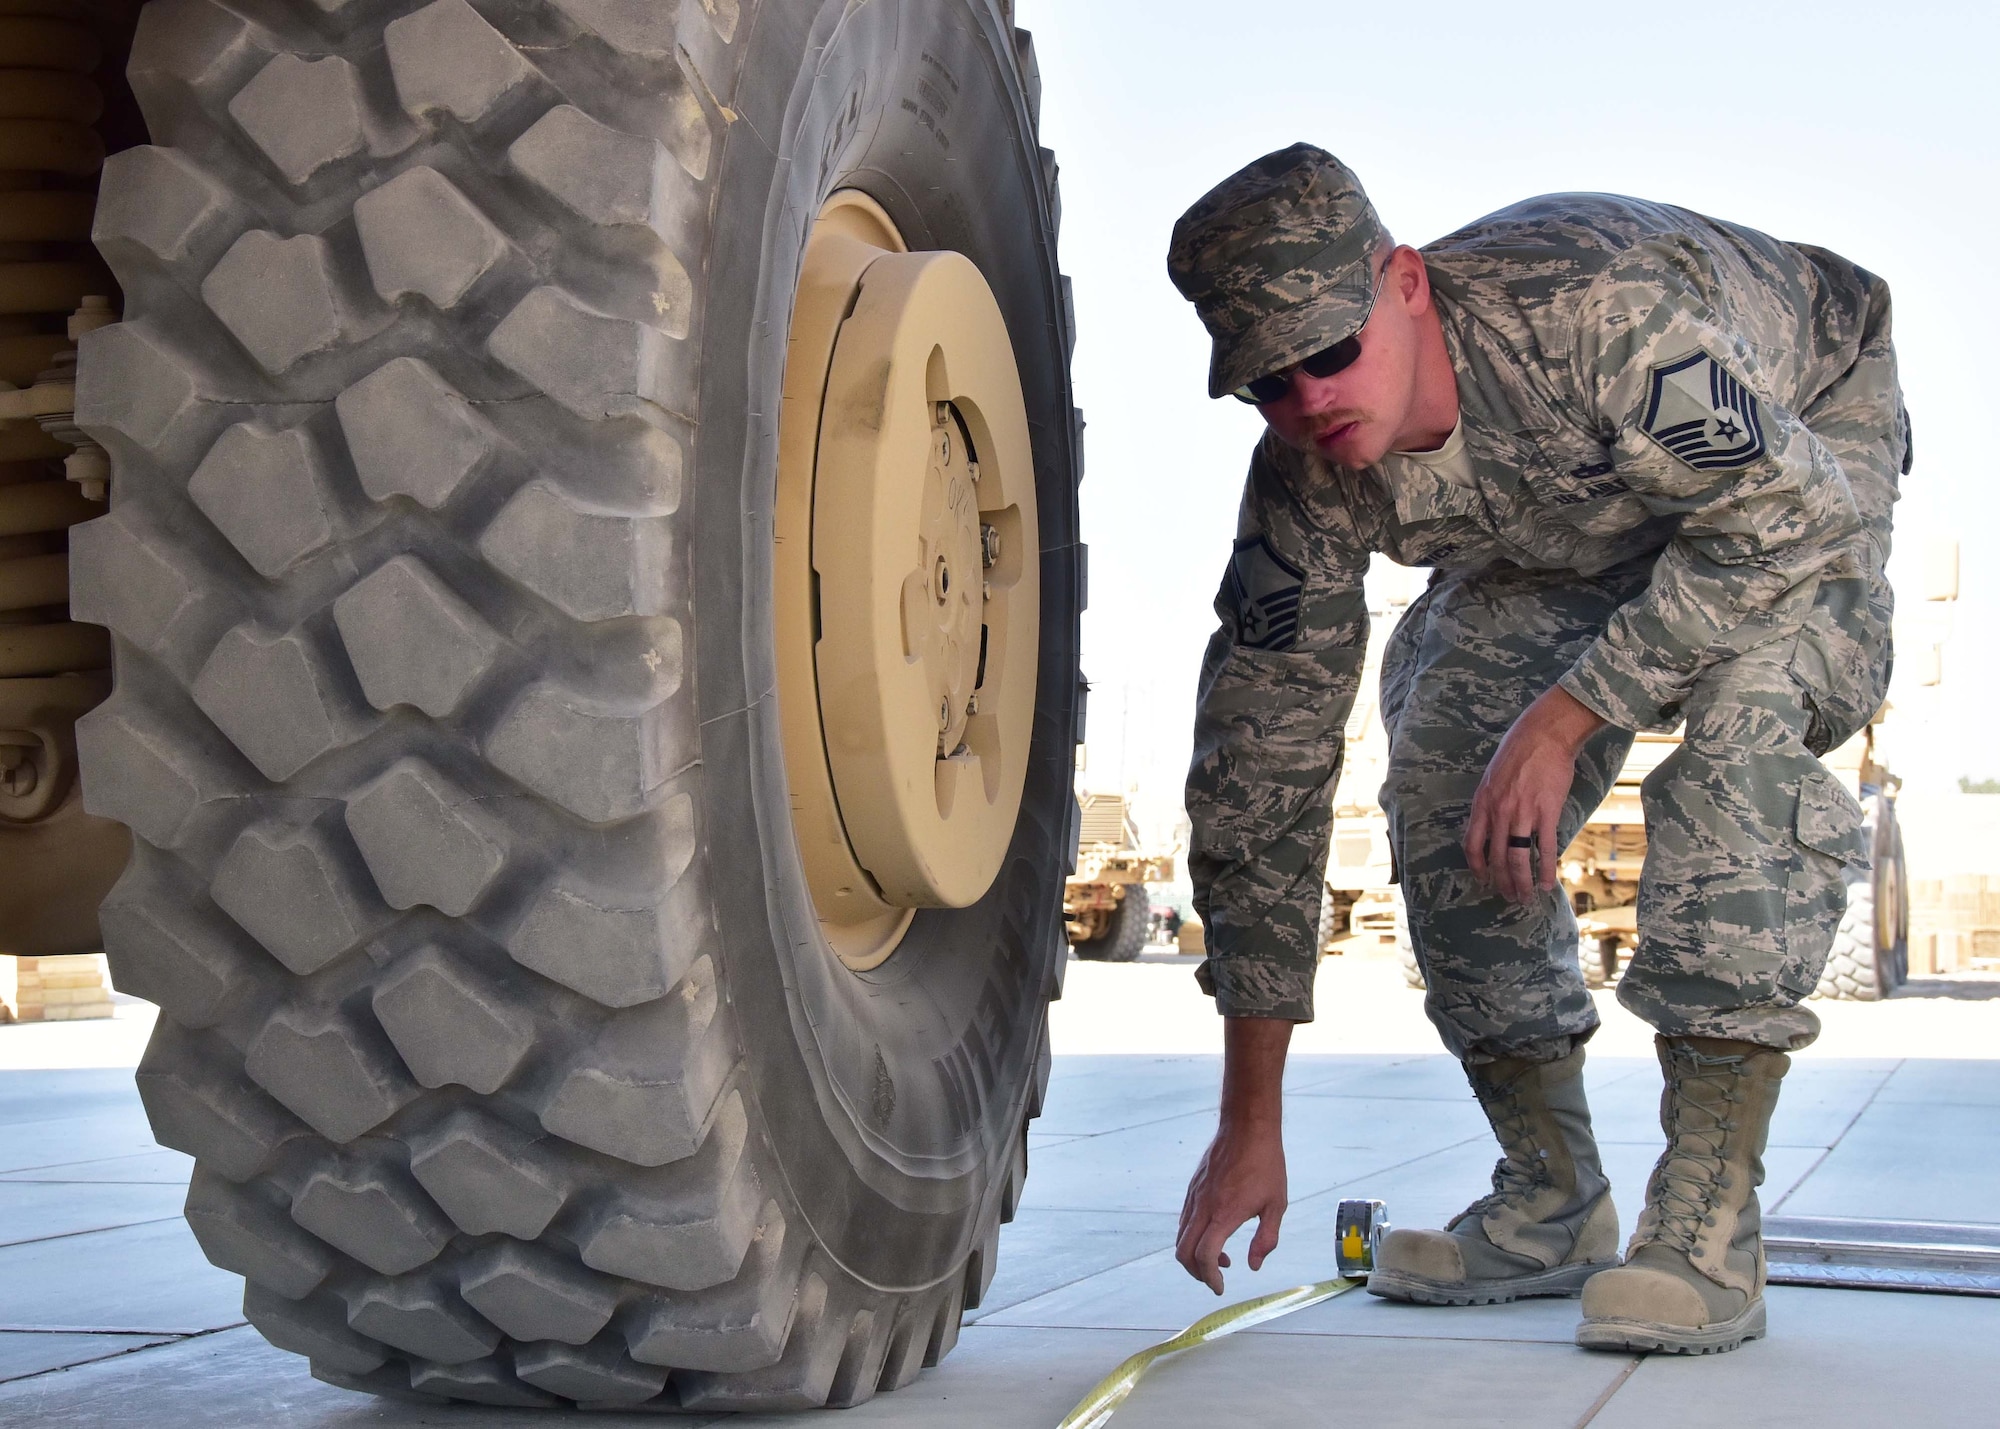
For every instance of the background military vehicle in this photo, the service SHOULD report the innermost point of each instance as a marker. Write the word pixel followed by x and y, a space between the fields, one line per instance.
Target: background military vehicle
pixel 1870 957
pixel 1600 869
pixel 1106 908
pixel 575 684
pixel 1360 896
pixel 1871 949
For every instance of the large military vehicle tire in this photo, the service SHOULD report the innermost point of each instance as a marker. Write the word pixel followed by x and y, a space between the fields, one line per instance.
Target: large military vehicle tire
pixel 1336 907
pixel 1871 949
pixel 1406 947
pixel 499 1007
pixel 1599 958
pixel 1124 936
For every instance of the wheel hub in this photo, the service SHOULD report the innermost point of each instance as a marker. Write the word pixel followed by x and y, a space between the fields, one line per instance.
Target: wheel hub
pixel 907 605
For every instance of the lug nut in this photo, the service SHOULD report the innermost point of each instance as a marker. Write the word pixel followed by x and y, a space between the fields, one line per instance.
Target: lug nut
pixel 944 713
pixel 18 775
pixel 989 544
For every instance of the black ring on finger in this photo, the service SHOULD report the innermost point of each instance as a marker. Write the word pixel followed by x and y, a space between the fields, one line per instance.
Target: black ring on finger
pixel 1520 841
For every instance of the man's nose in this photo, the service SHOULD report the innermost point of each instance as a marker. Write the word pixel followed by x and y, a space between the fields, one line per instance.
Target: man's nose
pixel 1315 394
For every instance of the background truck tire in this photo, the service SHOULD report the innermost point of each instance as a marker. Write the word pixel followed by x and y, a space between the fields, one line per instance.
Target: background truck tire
pixel 1406 948
pixel 443 411
pixel 1335 909
pixel 1871 949
pixel 1125 938
pixel 1599 957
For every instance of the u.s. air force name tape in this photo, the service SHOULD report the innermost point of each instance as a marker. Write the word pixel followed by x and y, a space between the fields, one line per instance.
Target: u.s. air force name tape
pixel 1103 1401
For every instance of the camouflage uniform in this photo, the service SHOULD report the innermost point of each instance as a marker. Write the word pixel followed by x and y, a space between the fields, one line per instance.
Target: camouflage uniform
pixel 1685 439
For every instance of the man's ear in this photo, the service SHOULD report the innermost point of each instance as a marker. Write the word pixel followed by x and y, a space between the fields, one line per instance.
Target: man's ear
pixel 1412 279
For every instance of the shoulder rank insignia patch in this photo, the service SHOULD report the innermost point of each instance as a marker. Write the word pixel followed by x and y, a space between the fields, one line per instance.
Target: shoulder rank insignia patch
pixel 1265 589
pixel 1701 413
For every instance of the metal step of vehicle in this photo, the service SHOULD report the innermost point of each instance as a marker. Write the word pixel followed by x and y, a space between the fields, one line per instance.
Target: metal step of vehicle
pixel 1932 1257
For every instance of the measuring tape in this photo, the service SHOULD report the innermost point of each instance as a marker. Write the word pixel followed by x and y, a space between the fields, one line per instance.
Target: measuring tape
pixel 1103 1401
pixel 1358 1230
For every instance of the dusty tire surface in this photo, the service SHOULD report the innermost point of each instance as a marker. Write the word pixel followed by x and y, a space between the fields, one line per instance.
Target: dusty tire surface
pixel 1406 948
pixel 1125 938
pixel 1599 958
pixel 496 1014
pixel 1334 911
pixel 1125 933
pixel 1871 948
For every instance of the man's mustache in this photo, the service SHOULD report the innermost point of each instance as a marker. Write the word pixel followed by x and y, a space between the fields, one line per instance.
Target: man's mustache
pixel 1322 426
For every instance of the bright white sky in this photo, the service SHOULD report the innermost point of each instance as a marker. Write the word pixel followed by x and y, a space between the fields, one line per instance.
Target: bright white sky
pixel 1871 129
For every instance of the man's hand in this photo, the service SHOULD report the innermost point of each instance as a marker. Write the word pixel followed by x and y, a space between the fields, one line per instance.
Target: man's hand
pixel 1522 796
pixel 1242 1174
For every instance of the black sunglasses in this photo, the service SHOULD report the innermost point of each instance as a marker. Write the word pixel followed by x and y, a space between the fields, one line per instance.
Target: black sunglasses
pixel 1324 363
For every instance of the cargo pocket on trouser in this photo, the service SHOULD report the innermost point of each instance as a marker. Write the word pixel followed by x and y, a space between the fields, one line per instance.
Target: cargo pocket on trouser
pixel 1844 655
pixel 1741 891
pixel 1828 830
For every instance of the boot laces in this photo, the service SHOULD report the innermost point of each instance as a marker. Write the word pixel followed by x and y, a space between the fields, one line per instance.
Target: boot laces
pixel 1693 1172
pixel 1523 1169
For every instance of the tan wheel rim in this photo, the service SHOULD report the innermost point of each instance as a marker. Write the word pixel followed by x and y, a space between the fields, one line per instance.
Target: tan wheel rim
pixel 907 592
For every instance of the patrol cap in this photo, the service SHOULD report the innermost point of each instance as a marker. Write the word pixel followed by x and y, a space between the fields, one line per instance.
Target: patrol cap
pixel 1277 260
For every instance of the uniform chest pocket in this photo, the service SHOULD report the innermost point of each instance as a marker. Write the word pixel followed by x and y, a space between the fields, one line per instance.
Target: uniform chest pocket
pixel 1434 521
pixel 1452 544
pixel 1580 485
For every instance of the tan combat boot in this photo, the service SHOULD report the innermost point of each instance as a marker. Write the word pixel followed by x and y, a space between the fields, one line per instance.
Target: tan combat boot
pixel 1693 1278
pixel 1549 1224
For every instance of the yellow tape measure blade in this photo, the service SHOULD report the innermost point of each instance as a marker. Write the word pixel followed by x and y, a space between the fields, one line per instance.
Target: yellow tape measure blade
pixel 1110 1392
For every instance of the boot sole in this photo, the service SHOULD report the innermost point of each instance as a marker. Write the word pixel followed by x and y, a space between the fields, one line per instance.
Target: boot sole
pixel 1621 1334
pixel 1564 1281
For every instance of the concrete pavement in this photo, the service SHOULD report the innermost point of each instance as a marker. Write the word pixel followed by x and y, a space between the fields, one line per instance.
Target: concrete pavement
pixel 110 1316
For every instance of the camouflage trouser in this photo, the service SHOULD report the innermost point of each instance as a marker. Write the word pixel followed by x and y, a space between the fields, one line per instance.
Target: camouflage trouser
pixel 1748 834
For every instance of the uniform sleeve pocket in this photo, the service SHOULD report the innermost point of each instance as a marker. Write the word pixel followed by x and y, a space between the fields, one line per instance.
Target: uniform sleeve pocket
pixel 1830 820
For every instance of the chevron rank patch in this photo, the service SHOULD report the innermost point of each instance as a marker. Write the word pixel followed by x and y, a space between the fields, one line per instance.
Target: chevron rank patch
pixel 1265 589
pixel 1701 413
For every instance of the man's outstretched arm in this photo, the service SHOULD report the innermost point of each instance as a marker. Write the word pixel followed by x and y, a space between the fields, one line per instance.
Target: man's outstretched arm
pixel 1242 1175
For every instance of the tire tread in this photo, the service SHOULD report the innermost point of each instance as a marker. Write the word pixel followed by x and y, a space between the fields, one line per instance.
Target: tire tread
pixel 399 411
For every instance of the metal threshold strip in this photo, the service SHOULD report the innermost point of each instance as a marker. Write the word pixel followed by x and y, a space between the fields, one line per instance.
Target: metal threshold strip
pixel 1931 1257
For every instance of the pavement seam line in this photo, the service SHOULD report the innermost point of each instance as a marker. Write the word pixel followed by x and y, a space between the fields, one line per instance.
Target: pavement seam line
pixel 1390 1067
pixel 87 1161
pixel 6 1181
pixel 178 1338
pixel 93 1230
pixel 1617 1383
pixel 155 1332
pixel 1820 1160
pixel 997 1309
pixel 1385 1170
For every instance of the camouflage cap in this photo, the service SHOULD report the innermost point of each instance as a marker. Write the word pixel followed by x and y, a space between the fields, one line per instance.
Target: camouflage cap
pixel 1277 261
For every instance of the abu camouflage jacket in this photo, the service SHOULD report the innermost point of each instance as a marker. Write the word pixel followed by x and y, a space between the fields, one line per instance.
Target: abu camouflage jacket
pixel 1633 379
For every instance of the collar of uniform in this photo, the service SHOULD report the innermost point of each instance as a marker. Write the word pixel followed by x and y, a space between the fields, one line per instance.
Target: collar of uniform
pixel 1427 493
pixel 1422 492
pixel 1498 407
pixel 1494 395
